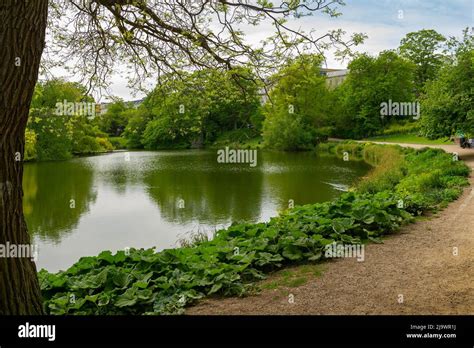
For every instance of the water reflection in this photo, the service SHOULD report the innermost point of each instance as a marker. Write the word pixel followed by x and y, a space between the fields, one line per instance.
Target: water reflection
pixel 307 177
pixel 56 195
pixel 155 197
pixel 194 187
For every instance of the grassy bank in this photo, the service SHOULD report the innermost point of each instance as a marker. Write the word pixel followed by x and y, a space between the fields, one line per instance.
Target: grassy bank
pixel 411 139
pixel 404 183
pixel 239 139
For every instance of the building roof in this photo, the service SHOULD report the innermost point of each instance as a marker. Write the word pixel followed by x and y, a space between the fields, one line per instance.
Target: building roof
pixel 336 73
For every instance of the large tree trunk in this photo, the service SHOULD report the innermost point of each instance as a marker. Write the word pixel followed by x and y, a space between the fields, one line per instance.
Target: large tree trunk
pixel 22 39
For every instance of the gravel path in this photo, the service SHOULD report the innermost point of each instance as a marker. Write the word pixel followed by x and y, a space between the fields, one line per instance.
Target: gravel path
pixel 427 268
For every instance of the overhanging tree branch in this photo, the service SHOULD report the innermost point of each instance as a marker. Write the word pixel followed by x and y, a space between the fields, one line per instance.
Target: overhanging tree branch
pixel 158 37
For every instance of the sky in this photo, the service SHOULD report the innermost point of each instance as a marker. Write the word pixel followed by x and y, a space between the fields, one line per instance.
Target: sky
pixel 385 22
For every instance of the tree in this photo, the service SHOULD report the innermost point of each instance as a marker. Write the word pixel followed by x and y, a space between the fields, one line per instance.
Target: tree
pixel 423 49
pixel 161 36
pixel 233 101
pixel 115 120
pixel 22 33
pixel 457 46
pixel 196 108
pixel 299 105
pixel 137 122
pixel 448 104
pixel 63 131
pixel 53 141
pixel 179 107
pixel 371 82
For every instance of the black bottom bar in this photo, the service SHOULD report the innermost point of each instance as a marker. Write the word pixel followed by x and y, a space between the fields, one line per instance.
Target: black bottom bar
pixel 348 331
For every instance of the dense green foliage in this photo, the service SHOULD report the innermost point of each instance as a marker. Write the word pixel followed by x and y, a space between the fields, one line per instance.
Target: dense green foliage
pixel 30 145
pixel 402 128
pixel 223 108
pixel 119 143
pixel 240 138
pixel 138 120
pixel 55 136
pixel 432 70
pixel 448 105
pixel 371 81
pixel 194 110
pixel 181 113
pixel 299 106
pixel 423 48
pixel 146 282
pixel 115 119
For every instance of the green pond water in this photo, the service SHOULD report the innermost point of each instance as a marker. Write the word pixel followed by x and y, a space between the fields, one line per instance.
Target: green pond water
pixel 144 199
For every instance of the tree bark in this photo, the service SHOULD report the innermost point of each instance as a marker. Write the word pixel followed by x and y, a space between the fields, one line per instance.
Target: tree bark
pixel 22 39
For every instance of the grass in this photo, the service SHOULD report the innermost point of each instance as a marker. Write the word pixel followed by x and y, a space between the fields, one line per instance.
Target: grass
pixel 239 138
pixel 387 171
pixel 410 139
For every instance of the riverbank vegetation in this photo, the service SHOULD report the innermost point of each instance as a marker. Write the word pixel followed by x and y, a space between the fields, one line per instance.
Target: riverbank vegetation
pixel 53 135
pixel 411 139
pixel 299 107
pixel 294 109
pixel 193 111
pixel 405 183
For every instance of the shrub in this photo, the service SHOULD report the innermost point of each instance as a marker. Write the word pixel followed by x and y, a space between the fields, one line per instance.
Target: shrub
pixel 53 138
pixel 288 132
pixel 30 145
pixel 86 145
pixel 118 143
pixel 105 144
pixel 407 128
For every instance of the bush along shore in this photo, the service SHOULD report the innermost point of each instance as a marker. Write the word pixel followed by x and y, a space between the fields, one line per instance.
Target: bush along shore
pixel 403 184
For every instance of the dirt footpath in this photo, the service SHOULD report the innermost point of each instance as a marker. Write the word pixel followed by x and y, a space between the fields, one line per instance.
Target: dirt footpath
pixel 427 268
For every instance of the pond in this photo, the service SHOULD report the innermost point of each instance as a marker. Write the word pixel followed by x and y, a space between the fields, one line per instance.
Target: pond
pixel 145 199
